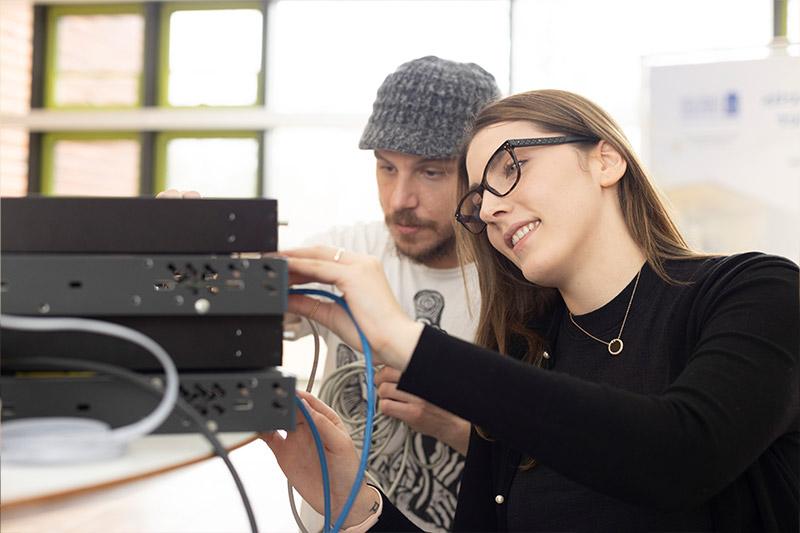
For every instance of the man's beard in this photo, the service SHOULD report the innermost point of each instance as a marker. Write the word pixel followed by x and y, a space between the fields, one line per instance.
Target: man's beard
pixel 444 247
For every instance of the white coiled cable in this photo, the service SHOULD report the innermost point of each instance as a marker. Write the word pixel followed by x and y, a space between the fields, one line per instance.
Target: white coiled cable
pixel 385 428
pixel 52 440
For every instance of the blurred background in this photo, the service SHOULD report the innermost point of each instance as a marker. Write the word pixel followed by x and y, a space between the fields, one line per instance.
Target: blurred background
pixel 268 97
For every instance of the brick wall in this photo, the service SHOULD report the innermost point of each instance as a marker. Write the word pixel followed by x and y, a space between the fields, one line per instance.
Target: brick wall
pixel 16 48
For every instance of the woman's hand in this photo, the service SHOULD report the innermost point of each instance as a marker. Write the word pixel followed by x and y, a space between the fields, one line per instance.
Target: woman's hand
pixel 391 334
pixel 297 457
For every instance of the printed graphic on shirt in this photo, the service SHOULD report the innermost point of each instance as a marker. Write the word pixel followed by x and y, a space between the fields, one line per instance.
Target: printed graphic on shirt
pixel 345 355
pixel 430 471
pixel 428 307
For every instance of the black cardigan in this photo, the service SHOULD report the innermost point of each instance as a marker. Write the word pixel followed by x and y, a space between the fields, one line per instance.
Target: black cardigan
pixel 723 431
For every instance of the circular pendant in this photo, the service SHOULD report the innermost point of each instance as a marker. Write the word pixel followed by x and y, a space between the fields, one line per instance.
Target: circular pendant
pixel 615 346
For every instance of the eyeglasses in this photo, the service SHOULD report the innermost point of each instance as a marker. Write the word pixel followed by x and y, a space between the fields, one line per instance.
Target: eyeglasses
pixel 501 175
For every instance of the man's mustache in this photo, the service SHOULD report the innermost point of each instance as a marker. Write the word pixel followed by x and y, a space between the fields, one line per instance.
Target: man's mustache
pixel 406 217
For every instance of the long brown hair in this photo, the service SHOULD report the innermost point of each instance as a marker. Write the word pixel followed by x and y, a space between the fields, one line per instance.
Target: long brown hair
pixel 509 302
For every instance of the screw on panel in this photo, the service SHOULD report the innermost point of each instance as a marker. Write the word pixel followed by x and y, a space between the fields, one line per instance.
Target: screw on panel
pixel 231 238
pixel 136 299
pixel 179 300
pixel 157 382
pixel 237 353
pixel 231 216
pixel 148 263
pixel 202 306
pixel 212 426
pixel 238 332
pixel 44 308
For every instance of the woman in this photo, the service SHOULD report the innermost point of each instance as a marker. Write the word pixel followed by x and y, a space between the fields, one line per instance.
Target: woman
pixel 644 387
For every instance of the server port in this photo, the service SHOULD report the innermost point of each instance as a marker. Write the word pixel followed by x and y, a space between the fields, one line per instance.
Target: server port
pixel 243 405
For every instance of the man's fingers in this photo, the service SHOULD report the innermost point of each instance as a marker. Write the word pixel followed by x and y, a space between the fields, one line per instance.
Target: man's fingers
pixel 400 410
pixel 389 390
pixel 387 374
pixel 169 193
pixel 174 193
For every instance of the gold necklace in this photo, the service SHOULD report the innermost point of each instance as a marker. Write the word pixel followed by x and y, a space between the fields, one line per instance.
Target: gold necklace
pixel 615 345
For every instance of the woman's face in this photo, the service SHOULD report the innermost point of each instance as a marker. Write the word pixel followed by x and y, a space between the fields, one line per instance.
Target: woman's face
pixel 549 219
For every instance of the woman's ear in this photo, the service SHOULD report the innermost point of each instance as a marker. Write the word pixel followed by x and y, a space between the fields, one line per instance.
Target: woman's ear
pixel 610 166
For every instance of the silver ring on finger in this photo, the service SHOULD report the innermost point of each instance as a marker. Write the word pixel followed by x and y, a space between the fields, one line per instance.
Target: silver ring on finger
pixel 338 255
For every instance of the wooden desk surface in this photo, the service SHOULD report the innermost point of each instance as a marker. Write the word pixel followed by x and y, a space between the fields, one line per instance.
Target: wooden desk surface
pixel 201 497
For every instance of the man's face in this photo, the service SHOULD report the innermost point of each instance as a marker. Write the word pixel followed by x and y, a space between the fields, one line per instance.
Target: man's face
pixel 418 200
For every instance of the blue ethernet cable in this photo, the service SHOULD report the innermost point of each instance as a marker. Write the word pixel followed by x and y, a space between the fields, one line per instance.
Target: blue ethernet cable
pixel 362 467
pixel 326 484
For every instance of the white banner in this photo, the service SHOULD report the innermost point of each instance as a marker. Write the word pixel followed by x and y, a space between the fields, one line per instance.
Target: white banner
pixel 724 144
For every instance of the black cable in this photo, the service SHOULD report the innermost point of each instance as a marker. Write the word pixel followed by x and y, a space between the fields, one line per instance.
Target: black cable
pixel 181 404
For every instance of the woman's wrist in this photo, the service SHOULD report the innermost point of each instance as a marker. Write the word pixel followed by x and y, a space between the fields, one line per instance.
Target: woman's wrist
pixel 400 346
pixel 369 502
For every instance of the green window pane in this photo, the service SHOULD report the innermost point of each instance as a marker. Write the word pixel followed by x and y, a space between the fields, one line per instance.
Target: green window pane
pixel 83 166
pixel 214 57
pixel 96 60
pixel 217 167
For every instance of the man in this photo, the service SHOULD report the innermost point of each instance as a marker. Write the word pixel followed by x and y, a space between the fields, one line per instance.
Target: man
pixel 420 115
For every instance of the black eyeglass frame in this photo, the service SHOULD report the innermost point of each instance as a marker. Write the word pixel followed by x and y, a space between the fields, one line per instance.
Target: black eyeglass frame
pixel 509 145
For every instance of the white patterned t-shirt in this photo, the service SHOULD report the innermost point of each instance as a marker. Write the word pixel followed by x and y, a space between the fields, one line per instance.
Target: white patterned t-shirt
pixel 442 298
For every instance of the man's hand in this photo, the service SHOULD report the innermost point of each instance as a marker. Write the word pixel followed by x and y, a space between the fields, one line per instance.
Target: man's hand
pixel 174 193
pixel 420 415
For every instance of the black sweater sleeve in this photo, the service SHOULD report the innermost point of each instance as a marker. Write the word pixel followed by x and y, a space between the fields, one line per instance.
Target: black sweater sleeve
pixel 737 394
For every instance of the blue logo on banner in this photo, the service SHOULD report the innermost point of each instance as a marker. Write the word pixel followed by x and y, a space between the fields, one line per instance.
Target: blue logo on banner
pixel 732 104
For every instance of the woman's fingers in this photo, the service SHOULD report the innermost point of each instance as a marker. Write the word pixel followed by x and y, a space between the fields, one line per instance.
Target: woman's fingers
pixel 307 306
pixel 314 270
pixel 334 437
pixel 321 407
pixel 275 441
pixel 322 253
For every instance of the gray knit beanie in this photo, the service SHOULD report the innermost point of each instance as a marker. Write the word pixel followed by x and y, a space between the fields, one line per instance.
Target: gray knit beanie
pixel 426 107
